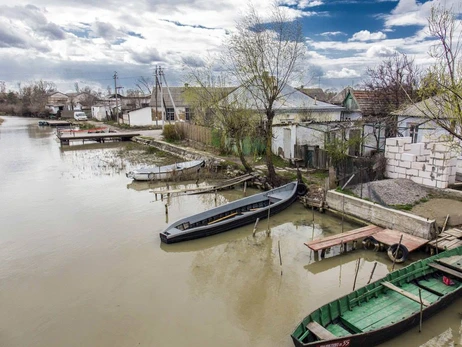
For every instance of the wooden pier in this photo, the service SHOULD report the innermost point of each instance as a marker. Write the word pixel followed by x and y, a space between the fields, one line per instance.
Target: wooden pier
pixel 379 235
pixel 66 138
pixel 55 123
pixel 448 239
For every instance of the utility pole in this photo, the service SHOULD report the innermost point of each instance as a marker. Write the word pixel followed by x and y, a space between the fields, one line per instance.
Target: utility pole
pixel 157 82
pixel 117 100
pixel 161 98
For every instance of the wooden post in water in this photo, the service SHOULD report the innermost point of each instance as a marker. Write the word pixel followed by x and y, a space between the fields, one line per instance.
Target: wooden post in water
pixel 215 198
pixel 166 209
pixel 268 230
pixel 255 227
pixel 421 309
pixel 396 253
pixel 372 273
pixel 280 258
pixel 343 209
pixel 245 187
pixel 356 274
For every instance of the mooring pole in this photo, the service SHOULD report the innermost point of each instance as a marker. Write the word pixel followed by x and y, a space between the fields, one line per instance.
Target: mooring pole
pixel 421 310
pixel 343 209
pixel 372 273
pixel 245 187
pixel 280 258
pixel 255 227
pixel 396 253
pixel 356 274
pixel 268 229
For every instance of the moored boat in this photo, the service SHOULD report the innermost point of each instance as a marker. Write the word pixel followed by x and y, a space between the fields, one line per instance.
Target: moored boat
pixel 387 307
pixel 234 214
pixel 166 171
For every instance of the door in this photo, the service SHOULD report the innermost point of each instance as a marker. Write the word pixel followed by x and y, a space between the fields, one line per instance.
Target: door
pixel 287 141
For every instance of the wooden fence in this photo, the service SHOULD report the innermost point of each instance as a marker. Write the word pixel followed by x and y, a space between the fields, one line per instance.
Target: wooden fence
pixel 196 133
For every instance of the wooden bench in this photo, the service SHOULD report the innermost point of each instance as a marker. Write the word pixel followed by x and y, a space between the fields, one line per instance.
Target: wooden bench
pixel 319 331
pixel 447 270
pixel 405 293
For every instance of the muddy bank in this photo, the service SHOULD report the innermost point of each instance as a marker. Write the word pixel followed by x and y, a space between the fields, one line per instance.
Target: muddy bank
pixel 438 209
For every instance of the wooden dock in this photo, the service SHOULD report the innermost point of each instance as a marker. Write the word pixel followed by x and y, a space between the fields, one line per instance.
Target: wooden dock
pixel 448 239
pixel 66 138
pixel 206 189
pixel 55 123
pixel 380 235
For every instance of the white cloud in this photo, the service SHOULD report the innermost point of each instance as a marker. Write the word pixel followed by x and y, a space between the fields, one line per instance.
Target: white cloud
pixel 366 35
pixel 343 73
pixel 332 33
pixel 380 51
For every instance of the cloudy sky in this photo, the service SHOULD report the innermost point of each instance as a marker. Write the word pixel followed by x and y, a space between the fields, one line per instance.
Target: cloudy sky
pixel 85 41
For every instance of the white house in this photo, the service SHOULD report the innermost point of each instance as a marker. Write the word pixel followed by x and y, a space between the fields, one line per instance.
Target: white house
pixel 139 117
pixel 101 112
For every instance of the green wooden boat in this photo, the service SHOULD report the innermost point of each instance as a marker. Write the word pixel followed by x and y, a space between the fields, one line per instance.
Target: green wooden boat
pixel 387 307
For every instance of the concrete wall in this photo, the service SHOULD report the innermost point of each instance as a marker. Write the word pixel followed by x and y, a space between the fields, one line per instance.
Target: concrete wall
pixel 141 117
pixel 432 164
pixel 379 215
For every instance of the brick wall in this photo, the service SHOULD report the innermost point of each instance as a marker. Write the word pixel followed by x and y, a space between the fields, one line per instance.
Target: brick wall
pixel 433 164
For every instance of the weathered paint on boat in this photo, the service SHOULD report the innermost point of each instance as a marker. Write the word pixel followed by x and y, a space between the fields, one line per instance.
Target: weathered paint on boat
pixel 234 214
pixel 375 313
pixel 163 172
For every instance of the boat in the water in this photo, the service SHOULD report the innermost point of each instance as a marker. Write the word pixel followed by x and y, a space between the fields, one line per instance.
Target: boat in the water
pixel 387 307
pixel 167 171
pixel 234 214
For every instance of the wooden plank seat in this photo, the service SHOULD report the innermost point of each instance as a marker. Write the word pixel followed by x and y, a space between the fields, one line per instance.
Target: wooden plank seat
pixel 436 285
pixel 319 331
pixel 446 270
pixel 405 293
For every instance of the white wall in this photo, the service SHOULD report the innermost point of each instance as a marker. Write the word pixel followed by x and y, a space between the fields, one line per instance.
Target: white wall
pixel 100 112
pixel 141 117
pixel 433 164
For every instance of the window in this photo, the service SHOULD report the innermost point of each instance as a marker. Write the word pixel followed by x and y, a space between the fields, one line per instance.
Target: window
pixel 413 132
pixel 170 113
pixel 188 113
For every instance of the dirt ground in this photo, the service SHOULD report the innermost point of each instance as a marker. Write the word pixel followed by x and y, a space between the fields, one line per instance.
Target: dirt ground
pixel 438 209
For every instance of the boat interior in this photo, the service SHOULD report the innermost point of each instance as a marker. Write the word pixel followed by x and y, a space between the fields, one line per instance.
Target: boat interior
pixel 381 304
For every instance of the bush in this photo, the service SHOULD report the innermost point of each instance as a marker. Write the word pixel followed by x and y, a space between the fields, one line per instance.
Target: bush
pixel 171 133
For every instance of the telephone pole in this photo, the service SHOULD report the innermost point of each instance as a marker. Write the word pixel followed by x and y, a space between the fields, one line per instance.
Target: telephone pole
pixel 116 97
pixel 157 82
pixel 160 73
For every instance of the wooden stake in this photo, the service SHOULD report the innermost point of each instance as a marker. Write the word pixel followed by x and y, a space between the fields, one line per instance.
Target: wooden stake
pixel 356 274
pixel 396 253
pixel 166 209
pixel 245 187
pixel 445 222
pixel 343 209
pixel 255 227
pixel 421 310
pixel 268 229
pixel 280 258
pixel 372 273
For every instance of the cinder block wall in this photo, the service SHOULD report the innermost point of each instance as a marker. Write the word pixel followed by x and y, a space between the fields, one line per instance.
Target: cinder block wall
pixel 379 215
pixel 433 164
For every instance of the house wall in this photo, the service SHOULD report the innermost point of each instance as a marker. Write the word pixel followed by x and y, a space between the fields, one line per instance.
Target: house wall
pixel 277 144
pixel 141 117
pixel 433 164
pixel 100 112
pixel 319 116
pixel 427 130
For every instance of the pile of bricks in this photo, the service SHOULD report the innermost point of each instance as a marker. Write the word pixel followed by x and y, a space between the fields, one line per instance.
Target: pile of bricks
pixel 432 164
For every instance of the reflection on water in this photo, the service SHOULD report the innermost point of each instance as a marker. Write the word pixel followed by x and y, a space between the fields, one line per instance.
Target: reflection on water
pixel 81 253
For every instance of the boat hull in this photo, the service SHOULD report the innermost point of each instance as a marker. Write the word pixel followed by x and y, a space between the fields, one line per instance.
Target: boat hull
pixel 377 337
pixel 387 307
pixel 166 172
pixel 233 223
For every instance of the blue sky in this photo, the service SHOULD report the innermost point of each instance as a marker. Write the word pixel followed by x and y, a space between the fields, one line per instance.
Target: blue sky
pixel 84 41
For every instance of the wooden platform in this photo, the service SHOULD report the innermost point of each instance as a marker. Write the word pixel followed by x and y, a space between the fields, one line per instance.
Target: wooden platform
pixel 65 138
pixel 389 237
pixel 349 236
pixel 449 239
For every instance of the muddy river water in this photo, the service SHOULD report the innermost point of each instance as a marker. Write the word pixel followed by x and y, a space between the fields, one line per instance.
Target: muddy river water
pixel 82 263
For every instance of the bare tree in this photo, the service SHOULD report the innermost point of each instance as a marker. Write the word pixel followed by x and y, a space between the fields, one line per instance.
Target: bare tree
pixel 145 85
pixel 392 84
pixel 264 56
pixel 443 84
pixel 209 97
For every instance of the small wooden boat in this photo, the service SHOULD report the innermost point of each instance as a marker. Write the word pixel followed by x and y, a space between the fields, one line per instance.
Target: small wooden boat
pixel 387 307
pixel 164 172
pixel 234 214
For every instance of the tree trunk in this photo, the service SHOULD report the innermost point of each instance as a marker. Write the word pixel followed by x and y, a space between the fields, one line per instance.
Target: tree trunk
pixel 246 165
pixel 273 178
